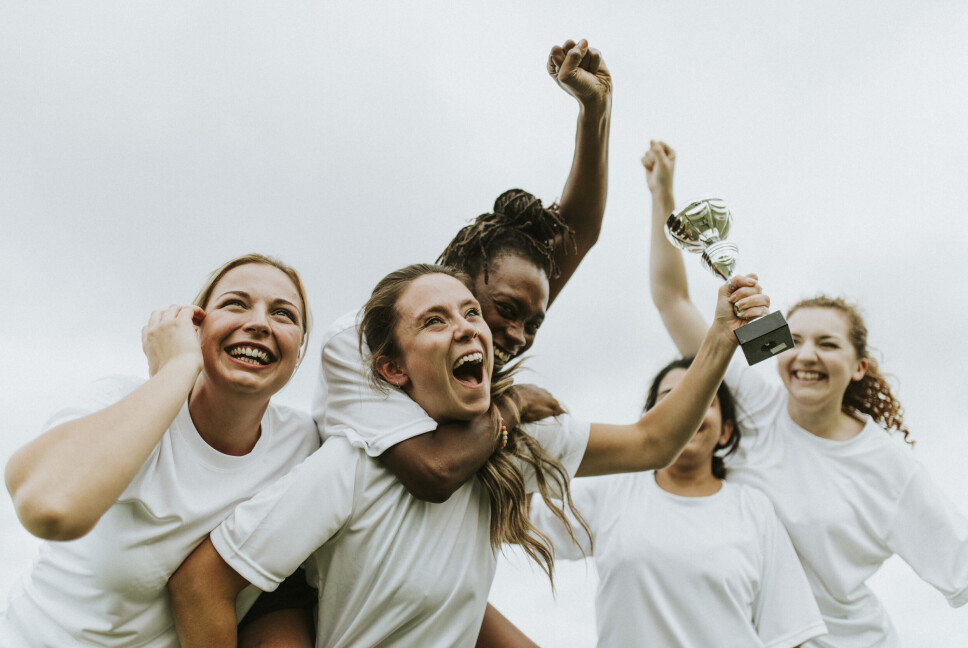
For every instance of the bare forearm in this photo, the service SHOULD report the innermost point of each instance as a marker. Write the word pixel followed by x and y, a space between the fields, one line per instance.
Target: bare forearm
pixel 434 465
pixel 64 481
pixel 582 204
pixel 658 437
pixel 203 592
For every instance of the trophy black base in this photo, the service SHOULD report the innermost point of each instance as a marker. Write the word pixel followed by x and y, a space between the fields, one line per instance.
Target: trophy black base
pixel 764 338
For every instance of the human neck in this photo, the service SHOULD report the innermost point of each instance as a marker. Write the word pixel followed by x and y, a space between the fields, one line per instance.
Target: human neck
pixel 230 423
pixel 688 481
pixel 828 422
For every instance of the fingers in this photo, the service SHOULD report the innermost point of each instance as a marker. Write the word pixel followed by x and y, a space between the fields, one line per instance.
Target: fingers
pixel 648 160
pixel 573 58
pixel 747 297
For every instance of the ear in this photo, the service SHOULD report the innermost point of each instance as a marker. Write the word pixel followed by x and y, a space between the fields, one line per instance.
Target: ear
pixel 726 434
pixel 391 372
pixel 861 369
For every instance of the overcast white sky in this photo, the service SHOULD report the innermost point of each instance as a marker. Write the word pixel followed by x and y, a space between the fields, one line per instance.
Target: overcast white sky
pixel 142 144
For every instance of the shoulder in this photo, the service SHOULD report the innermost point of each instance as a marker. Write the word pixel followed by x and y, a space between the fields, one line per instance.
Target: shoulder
pixel 291 422
pixel 343 329
pixel 95 396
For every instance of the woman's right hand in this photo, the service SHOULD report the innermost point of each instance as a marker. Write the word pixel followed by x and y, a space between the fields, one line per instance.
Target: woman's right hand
pixel 660 163
pixel 172 334
pixel 740 300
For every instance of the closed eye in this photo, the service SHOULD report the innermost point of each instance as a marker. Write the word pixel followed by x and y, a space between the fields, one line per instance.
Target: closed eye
pixel 288 314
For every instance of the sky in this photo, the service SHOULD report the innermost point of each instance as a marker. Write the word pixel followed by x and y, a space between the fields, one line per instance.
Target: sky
pixel 143 144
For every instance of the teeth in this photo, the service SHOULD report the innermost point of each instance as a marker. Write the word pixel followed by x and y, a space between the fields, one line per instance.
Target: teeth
pixel 477 356
pixel 246 352
pixel 502 355
pixel 807 375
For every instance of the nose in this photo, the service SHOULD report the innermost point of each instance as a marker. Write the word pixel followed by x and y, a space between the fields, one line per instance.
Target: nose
pixel 464 330
pixel 514 332
pixel 258 322
pixel 806 350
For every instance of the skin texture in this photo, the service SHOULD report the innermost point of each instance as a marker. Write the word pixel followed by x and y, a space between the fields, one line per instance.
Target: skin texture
pixel 63 482
pixel 440 322
pixel 817 372
pixel 514 301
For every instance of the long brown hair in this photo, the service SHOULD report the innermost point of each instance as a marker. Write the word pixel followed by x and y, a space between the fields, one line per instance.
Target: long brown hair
pixel 871 394
pixel 500 476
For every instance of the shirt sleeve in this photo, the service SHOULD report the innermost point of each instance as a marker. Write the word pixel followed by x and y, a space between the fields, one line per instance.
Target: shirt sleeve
pixel 785 612
pixel 931 535
pixel 584 493
pixel 98 395
pixel 348 404
pixel 267 537
pixel 755 398
pixel 564 439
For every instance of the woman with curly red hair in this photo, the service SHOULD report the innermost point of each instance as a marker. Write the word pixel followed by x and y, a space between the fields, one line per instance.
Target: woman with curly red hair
pixel 849 495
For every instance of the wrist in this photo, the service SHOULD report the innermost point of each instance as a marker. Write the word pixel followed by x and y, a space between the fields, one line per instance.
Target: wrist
pixel 595 111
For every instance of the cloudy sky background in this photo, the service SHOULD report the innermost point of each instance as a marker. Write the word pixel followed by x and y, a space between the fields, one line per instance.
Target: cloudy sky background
pixel 142 144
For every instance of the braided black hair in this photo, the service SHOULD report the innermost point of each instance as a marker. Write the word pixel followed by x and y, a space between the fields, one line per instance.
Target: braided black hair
pixel 519 226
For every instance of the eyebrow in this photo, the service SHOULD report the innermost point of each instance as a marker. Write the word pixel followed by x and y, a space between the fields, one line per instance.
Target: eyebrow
pixel 242 293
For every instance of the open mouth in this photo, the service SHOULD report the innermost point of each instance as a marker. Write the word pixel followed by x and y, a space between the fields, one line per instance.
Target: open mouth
pixel 251 354
pixel 469 369
pixel 502 356
pixel 808 375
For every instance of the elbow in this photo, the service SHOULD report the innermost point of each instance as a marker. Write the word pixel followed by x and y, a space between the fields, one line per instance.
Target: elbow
pixel 50 517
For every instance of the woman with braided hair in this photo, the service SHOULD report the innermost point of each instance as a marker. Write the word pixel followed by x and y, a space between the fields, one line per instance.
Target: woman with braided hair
pixel 394 570
pixel 849 496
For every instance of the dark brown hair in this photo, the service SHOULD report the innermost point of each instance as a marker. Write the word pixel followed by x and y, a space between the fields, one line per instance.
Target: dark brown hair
pixel 519 226
pixel 871 394
pixel 500 476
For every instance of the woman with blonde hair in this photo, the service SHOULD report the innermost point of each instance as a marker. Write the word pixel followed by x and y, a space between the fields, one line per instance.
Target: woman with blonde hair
pixel 389 567
pixel 849 495
pixel 128 480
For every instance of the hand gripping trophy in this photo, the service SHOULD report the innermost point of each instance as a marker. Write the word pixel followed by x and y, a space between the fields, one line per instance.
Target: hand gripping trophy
pixel 702 227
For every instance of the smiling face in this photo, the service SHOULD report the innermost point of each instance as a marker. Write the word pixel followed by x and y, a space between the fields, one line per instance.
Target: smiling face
pixel 252 330
pixel 445 354
pixel 712 433
pixel 823 362
pixel 513 301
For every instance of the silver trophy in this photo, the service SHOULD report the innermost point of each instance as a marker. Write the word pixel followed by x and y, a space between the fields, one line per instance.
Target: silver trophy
pixel 702 227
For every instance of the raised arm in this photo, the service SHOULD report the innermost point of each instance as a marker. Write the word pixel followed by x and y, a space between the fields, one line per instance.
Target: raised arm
pixel 582 73
pixel 66 479
pixel 667 273
pixel 659 436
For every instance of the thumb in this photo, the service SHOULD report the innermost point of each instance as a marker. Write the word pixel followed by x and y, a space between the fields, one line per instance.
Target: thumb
pixel 572 59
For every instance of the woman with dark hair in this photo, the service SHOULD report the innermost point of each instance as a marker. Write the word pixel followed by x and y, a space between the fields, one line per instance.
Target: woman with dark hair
pixel 519 257
pixel 849 496
pixel 130 478
pixel 392 569
pixel 683 557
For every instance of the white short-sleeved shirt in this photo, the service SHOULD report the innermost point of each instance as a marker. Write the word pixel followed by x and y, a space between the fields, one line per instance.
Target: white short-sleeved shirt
pixel 109 588
pixel 347 403
pixel 686 571
pixel 391 570
pixel 848 506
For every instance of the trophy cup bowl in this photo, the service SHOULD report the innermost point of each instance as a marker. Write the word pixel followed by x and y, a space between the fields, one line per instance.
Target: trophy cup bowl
pixel 702 228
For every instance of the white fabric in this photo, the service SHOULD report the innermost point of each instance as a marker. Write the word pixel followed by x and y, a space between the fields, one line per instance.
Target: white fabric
pixel 347 404
pixel 109 587
pixel 391 570
pixel 686 571
pixel 848 506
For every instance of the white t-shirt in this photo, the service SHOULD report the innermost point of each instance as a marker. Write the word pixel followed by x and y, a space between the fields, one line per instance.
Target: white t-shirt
pixel 848 506
pixel 348 404
pixel 109 587
pixel 686 571
pixel 391 570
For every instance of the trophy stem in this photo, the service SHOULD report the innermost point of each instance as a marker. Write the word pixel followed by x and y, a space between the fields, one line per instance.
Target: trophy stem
pixel 720 258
